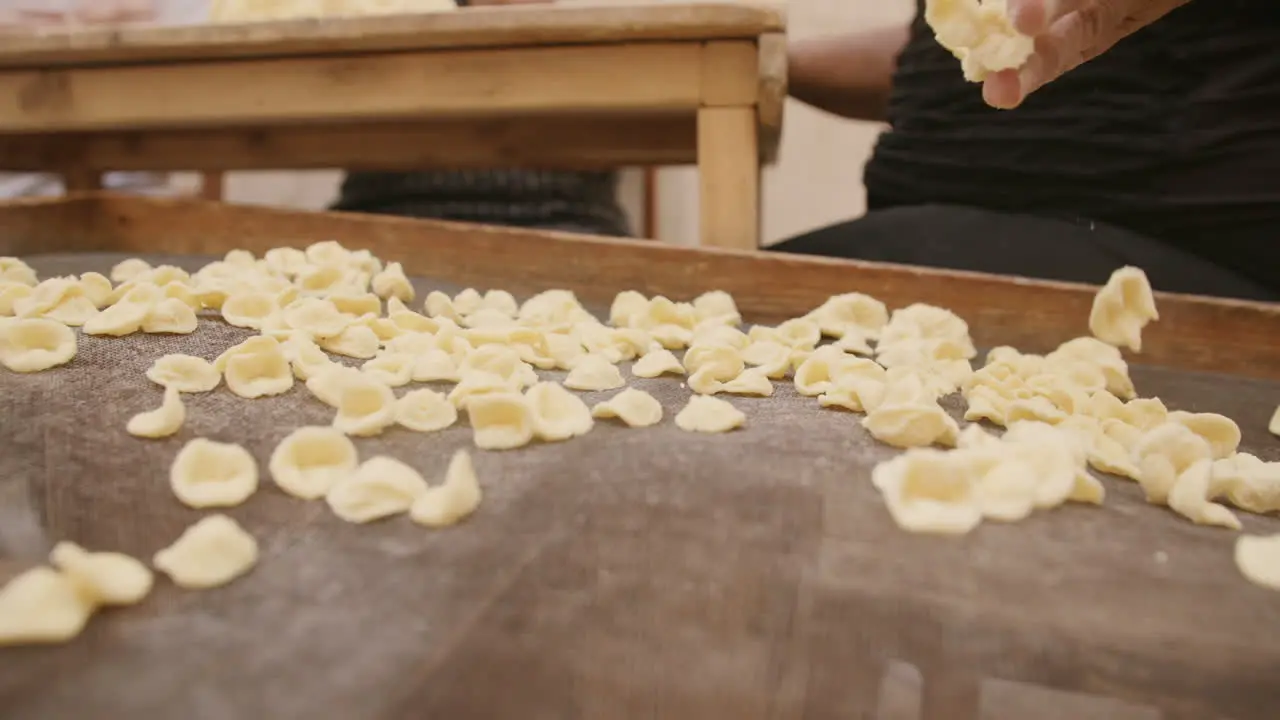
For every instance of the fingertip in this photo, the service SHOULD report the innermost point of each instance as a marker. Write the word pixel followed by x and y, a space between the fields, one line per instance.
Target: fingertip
pixel 1029 17
pixel 1002 90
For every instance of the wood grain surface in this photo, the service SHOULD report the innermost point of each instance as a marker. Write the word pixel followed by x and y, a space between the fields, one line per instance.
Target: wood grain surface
pixel 628 574
pixel 470 28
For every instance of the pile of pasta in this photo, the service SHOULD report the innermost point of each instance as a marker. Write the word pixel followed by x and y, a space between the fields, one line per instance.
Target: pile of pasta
pixel 342 324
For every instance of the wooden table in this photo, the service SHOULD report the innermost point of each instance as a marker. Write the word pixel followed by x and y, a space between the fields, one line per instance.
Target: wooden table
pixel 576 87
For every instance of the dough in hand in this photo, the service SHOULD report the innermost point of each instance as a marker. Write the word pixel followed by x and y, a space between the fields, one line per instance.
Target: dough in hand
pixel 382 486
pixel 451 501
pixel 161 422
pixel 593 372
pixel 707 414
pixel 425 411
pixel 40 606
pixel 1258 558
pixel 636 408
pixel 104 578
pixel 34 345
pixel 184 373
pixel 557 413
pixel 980 34
pixel 501 421
pixel 1122 308
pixel 212 552
pixel 213 474
pixel 311 460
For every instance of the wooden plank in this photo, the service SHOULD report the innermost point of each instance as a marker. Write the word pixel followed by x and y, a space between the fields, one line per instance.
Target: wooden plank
pixel 773 93
pixel 640 76
pixel 588 142
pixel 729 74
pixel 81 179
pixel 470 28
pixel 1194 333
pixel 729 177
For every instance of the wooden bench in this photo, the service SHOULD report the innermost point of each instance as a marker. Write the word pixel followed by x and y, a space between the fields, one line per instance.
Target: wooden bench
pixel 548 87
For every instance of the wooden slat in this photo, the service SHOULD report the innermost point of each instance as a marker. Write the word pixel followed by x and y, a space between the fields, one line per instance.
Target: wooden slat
pixel 647 77
pixel 772 96
pixel 729 74
pixel 545 142
pixel 471 28
pixel 1193 333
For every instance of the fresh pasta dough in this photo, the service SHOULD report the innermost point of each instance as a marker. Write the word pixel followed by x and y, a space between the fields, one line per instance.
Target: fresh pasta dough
pixel 1258 559
pixel 34 345
pixel 391 368
pixel 103 578
pixel 501 421
pixel 705 414
pixel 208 474
pixel 161 422
pixel 382 486
pixel 557 413
pixel 366 406
pixel 211 553
pixel 42 606
pixel 392 283
pixel 979 34
pixel 1274 425
pixel 184 373
pixel 453 500
pixel 1122 308
pixel 636 408
pixel 425 411
pixel 309 461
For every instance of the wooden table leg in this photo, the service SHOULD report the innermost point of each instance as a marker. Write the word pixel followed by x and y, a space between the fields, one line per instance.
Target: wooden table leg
pixel 729 177
pixel 81 180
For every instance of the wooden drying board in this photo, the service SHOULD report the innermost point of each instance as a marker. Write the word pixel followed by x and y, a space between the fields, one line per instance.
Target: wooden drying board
pixel 576 87
pixel 603 579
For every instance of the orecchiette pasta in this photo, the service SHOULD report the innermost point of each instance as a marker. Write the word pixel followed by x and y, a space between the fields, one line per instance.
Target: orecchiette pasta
pixel 705 414
pixel 366 406
pixel 213 474
pixel 161 422
pixel 501 421
pixel 557 413
pixel 656 363
pixel 256 368
pixel 355 341
pixel 451 501
pixel 392 283
pixel 1122 308
pixel 171 316
pixel 1258 559
pixel 34 345
pixel 425 411
pixel 103 578
pixel 42 605
pixel 636 408
pixel 382 486
pixel 212 552
pixel 311 460
pixel 593 373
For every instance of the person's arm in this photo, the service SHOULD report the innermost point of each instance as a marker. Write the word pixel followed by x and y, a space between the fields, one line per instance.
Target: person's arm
pixel 849 75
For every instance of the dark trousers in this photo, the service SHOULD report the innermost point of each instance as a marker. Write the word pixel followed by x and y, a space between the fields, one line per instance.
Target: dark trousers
pixel 962 238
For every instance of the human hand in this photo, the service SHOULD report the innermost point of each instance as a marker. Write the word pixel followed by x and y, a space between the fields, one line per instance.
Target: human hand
pixel 1067 34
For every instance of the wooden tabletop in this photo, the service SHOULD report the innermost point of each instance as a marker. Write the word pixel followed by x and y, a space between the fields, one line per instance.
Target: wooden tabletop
pixel 470 28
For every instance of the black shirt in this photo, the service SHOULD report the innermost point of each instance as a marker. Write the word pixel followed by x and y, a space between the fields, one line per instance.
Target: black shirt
pixel 1174 133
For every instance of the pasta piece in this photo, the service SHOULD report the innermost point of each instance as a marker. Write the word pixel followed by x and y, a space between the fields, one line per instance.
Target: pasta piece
pixel 706 414
pixel 286 261
pixel 636 408
pixel 774 358
pixel 1104 453
pixel 564 350
pixel 1247 482
pixel 42 606
pixel 1163 455
pixel 1056 459
pixel 103 578
pixel 381 487
pixel 125 315
pixel 627 307
pixel 366 406
pixel 615 344
pixel 488 318
pixel 557 413
pixel 451 501
pixel 249 310
pixel 392 283
pixel 1145 413
pixel 713 333
pixel 354 305
pixel 927 322
pixel 1274 425
pixel 860 389
pixel 852 315
pixel 15 270
pixel 161 422
pixel 594 373
pixel 311 460
pixel 130 269
pixel 797 334
pixel 305 357
pixel 986 402
pixel 929 491
pixel 1221 432
pixel 10 294
pixel 502 361
pixel 212 552
pixel 1098 355
pixel 500 301
pixel 909 416
pixel 1189 497
pixel 1256 556
pixel 435 366
pixel 752 381
pixel 477 383
pixel 501 421
pixel 356 341
pixel 212 474
pixel 818 372
pixel 35 345
pixel 183 293
pixel 656 363
pixel 184 373
pixel 468 301
pixel 73 311
pixel 716 306
pixel 425 411
pixel 440 305
pixel 711 365
pixel 170 316
pixel 393 369
pixel 320 318
pixel 164 274
pixel 256 368
pixel 1122 308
